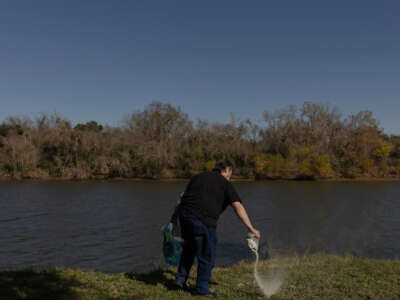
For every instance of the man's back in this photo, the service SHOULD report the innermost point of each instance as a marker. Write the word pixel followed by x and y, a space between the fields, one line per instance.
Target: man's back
pixel 207 195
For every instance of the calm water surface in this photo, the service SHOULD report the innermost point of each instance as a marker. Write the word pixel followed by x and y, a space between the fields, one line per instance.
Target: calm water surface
pixel 115 226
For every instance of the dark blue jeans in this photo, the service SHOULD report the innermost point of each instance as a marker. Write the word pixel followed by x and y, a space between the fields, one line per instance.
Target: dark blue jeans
pixel 200 241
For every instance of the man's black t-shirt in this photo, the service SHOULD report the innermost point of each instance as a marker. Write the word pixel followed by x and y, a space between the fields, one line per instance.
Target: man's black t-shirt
pixel 207 195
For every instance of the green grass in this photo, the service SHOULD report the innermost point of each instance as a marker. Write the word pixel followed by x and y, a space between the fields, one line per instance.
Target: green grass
pixel 307 277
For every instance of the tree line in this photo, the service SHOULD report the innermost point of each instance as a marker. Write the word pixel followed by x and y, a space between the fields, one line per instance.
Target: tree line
pixel 312 141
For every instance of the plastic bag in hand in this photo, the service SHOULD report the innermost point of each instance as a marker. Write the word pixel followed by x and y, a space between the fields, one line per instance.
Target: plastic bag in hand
pixel 172 245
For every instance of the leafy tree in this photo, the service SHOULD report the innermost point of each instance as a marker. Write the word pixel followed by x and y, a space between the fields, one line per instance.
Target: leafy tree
pixel 89 126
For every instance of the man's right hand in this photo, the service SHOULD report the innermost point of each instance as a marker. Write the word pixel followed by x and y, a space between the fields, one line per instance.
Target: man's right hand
pixel 256 233
pixel 242 214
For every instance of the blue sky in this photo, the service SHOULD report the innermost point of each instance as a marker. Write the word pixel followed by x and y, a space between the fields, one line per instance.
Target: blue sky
pixel 101 60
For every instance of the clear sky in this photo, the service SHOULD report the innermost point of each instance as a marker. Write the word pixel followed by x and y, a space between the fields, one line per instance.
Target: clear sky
pixel 101 60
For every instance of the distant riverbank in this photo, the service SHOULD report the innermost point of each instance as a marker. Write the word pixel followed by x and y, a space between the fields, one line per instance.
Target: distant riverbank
pixel 311 142
pixel 183 179
pixel 317 276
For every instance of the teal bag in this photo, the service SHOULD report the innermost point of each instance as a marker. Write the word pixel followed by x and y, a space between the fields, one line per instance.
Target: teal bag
pixel 172 246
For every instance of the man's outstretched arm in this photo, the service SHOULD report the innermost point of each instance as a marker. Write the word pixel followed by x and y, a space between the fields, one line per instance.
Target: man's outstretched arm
pixel 242 214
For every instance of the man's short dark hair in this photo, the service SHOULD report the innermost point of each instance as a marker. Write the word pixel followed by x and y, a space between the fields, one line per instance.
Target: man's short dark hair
pixel 222 165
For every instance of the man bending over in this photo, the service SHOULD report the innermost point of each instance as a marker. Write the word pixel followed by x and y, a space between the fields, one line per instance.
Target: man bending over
pixel 205 198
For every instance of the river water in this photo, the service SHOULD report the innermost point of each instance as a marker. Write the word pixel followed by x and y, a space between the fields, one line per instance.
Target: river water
pixel 115 226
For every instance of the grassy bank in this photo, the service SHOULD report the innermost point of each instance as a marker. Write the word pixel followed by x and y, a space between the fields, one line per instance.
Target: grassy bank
pixel 309 277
